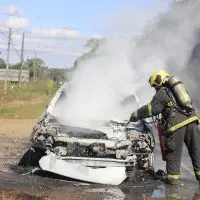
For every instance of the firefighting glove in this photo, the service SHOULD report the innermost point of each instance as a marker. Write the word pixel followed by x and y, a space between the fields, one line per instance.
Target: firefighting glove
pixel 134 117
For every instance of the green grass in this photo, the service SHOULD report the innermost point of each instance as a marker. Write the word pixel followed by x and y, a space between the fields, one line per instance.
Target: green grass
pixel 28 91
pixel 22 112
pixel 28 101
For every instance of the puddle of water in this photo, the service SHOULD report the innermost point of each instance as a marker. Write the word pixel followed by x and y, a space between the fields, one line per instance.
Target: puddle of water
pixel 158 193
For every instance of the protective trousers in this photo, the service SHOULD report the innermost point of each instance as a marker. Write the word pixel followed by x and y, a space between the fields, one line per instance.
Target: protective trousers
pixel 189 134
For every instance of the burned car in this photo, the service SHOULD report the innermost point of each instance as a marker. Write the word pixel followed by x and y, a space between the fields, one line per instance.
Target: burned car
pixel 90 155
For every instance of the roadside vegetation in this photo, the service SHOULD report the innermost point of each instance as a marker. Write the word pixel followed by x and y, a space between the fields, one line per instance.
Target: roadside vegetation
pixel 28 101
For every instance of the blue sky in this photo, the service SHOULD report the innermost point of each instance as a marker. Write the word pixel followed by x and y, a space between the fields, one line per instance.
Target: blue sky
pixel 87 17
pixel 84 15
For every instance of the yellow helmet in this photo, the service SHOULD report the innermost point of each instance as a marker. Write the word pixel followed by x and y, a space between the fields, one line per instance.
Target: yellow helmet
pixel 158 77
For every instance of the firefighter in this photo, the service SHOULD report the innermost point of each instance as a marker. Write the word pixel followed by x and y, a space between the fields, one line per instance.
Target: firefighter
pixel 179 119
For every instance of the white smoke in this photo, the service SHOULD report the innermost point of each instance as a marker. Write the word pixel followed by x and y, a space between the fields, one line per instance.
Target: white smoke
pixel 122 67
pixel 99 85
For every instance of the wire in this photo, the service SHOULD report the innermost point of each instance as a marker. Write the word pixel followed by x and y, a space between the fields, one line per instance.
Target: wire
pixel 19 18
pixel 13 45
pixel 15 49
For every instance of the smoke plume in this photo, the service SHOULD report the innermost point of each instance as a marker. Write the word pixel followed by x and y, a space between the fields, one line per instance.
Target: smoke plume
pixel 121 67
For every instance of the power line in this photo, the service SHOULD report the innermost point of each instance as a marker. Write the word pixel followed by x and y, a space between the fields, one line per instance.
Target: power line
pixel 22 59
pixel 19 18
pixel 7 60
pixel 15 49
pixel 12 43
pixel 34 69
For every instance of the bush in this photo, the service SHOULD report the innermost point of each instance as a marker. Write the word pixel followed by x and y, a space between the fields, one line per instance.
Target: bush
pixel 28 91
pixel 51 87
pixel 28 101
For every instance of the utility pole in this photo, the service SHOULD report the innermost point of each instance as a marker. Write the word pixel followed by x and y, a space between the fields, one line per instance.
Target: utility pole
pixel 22 59
pixel 34 69
pixel 7 60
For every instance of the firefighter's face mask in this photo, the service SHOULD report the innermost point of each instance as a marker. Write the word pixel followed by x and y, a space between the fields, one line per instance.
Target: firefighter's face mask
pixel 157 87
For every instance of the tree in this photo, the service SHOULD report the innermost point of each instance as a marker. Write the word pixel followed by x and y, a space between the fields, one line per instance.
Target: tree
pixel 16 66
pixel 57 74
pixel 35 66
pixel 2 64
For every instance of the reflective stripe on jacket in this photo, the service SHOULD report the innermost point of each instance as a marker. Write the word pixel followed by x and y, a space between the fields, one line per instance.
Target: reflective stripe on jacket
pixel 183 123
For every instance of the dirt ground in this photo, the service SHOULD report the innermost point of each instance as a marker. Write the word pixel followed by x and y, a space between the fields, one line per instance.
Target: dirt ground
pixel 16 128
pixel 14 137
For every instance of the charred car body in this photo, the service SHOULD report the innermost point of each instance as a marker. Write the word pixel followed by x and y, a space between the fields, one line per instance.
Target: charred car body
pixel 88 155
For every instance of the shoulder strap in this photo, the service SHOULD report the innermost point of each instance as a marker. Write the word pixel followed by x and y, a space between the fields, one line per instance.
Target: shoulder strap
pixel 175 104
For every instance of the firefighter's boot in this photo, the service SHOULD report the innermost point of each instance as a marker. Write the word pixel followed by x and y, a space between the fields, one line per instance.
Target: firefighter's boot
pixel 172 193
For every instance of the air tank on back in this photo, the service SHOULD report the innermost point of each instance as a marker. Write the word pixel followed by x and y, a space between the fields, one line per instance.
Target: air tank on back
pixel 180 92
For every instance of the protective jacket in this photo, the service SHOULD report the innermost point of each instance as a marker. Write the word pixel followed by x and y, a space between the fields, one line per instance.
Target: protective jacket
pixel 179 127
pixel 162 103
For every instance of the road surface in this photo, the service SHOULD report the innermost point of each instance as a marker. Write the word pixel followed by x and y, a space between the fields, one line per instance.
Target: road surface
pixel 14 185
